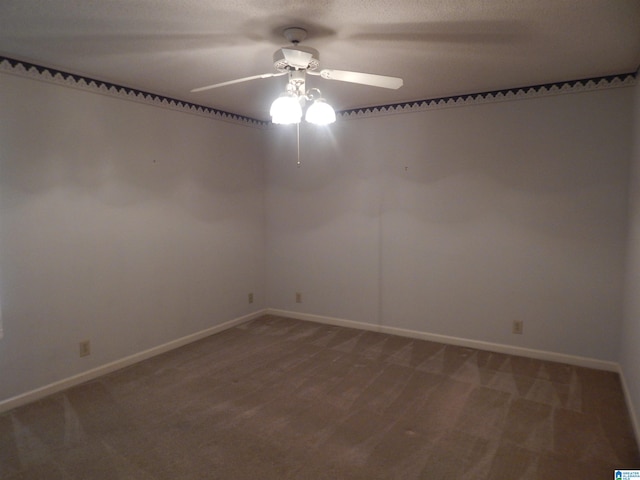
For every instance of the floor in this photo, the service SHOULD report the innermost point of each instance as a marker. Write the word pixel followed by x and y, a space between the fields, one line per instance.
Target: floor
pixel 277 398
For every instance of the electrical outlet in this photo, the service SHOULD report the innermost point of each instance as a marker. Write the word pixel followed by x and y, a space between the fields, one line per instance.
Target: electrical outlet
pixel 298 297
pixel 84 348
pixel 251 298
pixel 518 327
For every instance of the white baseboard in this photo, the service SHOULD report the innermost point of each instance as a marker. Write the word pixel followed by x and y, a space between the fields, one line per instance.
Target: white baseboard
pixel 63 384
pixel 629 400
pixel 463 342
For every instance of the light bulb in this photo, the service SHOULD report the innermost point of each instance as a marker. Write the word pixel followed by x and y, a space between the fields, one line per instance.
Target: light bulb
pixel 286 109
pixel 320 113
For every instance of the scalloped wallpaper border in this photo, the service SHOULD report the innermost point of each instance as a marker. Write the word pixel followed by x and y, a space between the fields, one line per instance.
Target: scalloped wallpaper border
pixel 509 94
pixel 30 70
pixel 26 69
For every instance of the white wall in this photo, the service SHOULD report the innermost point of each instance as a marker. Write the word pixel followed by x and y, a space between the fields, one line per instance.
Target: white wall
pixel 123 223
pixel 458 221
pixel 630 335
pixel 133 225
pixel 323 222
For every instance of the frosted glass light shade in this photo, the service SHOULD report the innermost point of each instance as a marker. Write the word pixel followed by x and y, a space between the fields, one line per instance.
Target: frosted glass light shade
pixel 285 110
pixel 320 113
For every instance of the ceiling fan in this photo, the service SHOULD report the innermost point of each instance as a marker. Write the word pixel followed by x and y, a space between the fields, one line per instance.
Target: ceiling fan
pixel 296 61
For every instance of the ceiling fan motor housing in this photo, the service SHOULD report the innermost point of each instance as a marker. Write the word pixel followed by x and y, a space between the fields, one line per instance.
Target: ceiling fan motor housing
pixel 281 65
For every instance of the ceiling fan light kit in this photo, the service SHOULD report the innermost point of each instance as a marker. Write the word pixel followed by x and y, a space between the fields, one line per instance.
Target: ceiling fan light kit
pixel 296 61
pixel 287 108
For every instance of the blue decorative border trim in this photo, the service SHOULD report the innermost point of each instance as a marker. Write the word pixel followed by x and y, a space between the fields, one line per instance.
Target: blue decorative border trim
pixel 555 88
pixel 31 69
pixel 596 83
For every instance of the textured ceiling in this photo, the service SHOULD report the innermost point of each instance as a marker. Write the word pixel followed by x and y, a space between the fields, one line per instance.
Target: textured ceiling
pixel 439 47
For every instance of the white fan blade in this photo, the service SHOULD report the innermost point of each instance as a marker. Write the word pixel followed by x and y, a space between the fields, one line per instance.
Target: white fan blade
pixel 363 78
pixel 239 80
pixel 297 58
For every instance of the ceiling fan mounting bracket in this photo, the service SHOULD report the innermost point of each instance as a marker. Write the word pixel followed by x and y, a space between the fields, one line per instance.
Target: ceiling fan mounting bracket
pixel 295 34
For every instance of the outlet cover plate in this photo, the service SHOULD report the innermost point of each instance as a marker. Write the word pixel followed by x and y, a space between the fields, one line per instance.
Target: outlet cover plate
pixel 518 327
pixel 84 348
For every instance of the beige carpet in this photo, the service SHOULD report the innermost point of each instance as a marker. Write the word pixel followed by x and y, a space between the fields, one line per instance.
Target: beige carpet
pixel 279 399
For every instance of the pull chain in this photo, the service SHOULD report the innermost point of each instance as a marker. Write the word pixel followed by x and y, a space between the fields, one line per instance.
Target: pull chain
pixel 298 141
